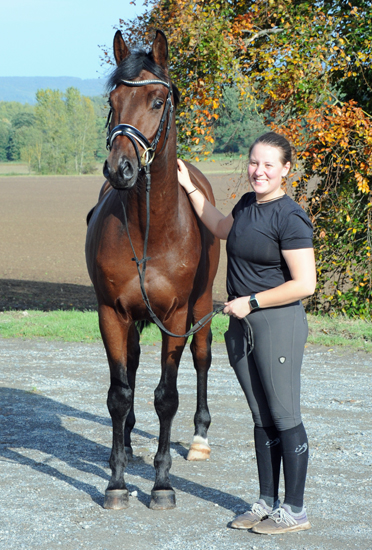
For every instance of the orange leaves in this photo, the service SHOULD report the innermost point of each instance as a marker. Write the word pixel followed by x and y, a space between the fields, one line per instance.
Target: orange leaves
pixel 332 142
pixel 285 57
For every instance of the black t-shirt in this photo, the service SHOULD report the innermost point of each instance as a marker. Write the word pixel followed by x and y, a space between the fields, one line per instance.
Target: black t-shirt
pixel 254 244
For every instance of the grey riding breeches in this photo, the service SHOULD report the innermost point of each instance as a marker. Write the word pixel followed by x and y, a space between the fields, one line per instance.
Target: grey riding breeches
pixel 270 375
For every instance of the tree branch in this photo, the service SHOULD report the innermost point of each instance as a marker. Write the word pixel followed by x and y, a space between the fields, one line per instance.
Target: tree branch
pixel 262 33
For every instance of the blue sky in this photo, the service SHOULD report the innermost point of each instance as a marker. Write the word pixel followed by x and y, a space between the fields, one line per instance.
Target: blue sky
pixel 58 37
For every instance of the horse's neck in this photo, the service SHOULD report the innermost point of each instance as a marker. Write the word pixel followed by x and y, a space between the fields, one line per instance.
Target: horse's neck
pixel 163 194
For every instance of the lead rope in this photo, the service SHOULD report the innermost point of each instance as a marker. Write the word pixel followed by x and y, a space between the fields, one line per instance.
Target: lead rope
pixel 141 273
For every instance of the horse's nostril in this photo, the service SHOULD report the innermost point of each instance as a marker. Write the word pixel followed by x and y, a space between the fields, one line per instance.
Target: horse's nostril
pixel 126 169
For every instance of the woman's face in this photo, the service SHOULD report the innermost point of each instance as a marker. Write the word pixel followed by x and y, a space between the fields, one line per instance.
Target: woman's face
pixel 265 171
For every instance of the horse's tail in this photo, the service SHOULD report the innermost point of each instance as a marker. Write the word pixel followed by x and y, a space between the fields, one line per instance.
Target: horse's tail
pixel 141 325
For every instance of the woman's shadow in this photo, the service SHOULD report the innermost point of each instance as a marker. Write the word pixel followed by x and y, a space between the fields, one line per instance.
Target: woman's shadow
pixel 34 422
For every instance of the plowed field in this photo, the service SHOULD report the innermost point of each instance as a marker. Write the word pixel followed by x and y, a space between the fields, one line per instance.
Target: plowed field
pixel 42 238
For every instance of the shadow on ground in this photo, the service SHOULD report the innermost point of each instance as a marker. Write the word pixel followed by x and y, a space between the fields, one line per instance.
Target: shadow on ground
pixel 43 296
pixel 34 425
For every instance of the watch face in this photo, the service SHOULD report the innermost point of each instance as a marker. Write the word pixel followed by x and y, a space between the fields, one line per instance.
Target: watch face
pixel 254 303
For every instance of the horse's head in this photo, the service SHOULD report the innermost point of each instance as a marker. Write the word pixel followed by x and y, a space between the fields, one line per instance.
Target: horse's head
pixel 141 110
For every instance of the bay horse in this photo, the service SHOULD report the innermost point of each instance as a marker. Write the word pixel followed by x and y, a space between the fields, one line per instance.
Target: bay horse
pixel 172 282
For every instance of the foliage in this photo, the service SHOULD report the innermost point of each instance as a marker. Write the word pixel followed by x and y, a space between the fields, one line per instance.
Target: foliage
pixel 66 137
pixel 307 68
pixel 236 127
pixel 15 118
pixel 63 133
pixel 100 106
pixel 82 131
pixel 343 243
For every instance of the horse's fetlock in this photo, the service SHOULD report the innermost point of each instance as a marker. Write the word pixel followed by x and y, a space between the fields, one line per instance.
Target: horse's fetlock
pixel 162 463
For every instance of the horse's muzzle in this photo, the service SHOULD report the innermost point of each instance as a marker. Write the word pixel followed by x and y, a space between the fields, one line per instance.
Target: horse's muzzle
pixel 123 176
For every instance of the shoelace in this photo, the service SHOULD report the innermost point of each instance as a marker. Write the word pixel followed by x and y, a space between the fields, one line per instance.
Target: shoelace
pixel 281 516
pixel 259 510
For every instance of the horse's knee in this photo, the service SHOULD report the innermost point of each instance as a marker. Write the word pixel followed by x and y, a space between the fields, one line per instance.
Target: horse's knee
pixel 119 400
pixel 166 401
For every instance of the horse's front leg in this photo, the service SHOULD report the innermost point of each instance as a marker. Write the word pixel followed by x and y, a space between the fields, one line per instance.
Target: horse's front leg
pixel 202 357
pixel 166 405
pixel 119 402
pixel 133 355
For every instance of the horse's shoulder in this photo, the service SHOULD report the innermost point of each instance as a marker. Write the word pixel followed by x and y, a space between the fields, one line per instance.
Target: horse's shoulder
pixel 199 179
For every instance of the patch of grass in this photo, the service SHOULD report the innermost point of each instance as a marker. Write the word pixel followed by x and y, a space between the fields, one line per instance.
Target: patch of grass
pixel 79 326
pixel 339 331
pixel 70 326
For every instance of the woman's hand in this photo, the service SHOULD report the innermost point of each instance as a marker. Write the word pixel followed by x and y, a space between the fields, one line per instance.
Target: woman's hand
pixel 239 308
pixel 184 177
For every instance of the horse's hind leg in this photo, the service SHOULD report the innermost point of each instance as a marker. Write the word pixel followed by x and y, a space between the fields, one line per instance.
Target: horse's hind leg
pixel 119 340
pixel 202 357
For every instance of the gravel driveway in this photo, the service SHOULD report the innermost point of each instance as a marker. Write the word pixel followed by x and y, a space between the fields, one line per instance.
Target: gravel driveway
pixel 55 441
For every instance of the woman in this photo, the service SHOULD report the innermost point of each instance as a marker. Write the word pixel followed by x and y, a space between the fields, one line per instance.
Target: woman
pixel 271 267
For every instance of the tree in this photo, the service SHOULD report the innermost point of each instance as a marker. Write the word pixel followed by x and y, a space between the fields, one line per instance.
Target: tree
pixel 20 124
pixel 51 117
pixel 15 118
pixel 64 138
pixel 307 66
pixel 236 127
pixel 82 130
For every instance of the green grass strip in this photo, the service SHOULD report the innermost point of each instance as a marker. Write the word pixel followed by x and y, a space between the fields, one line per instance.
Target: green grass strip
pixel 78 326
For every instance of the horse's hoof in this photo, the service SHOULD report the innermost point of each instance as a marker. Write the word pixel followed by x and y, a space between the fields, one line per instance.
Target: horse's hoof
pixel 116 499
pixel 163 500
pixel 199 452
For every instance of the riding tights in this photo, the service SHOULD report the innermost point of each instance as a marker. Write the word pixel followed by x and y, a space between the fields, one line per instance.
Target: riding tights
pixel 270 379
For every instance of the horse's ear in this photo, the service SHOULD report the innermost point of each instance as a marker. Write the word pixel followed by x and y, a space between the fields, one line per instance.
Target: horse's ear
pixel 160 50
pixel 120 48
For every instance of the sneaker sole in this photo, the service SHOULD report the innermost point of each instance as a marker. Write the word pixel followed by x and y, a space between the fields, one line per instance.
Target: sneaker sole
pixel 241 526
pixel 294 529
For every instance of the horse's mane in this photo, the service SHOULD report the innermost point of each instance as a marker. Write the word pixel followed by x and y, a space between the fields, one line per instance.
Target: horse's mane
pixel 131 67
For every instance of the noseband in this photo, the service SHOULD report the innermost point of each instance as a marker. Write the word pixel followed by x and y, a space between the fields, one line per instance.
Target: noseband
pixel 134 135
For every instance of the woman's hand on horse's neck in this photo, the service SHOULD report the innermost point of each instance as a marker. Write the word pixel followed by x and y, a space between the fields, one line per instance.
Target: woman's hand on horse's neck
pixel 213 219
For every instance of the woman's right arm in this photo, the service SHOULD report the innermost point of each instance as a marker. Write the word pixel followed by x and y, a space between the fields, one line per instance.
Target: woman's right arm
pixel 217 223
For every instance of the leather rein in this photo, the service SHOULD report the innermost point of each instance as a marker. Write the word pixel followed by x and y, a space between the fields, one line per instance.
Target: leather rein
pixel 144 162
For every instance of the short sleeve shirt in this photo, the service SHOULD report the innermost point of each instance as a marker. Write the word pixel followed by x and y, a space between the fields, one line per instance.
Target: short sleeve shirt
pixel 258 235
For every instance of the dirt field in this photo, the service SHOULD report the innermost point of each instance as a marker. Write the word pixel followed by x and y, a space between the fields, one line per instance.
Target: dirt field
pixel 42 238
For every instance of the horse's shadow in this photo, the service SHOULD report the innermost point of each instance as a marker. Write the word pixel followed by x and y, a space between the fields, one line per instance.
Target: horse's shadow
pixel 34 422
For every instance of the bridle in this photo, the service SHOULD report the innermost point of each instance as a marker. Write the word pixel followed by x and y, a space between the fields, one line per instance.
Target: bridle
pixel 144 162
pixel 134 135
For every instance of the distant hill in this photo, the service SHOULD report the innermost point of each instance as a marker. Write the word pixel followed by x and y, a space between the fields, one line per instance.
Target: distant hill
pixel 24 88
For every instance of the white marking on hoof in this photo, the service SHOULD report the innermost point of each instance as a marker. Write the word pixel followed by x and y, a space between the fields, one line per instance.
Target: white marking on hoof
pixel 200 440
pixel 199 449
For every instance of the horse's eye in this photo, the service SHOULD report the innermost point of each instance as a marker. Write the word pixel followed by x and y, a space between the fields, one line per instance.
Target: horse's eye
pixel 158 103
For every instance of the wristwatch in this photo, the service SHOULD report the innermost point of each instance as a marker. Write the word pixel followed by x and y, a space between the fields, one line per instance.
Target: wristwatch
pixel 253 302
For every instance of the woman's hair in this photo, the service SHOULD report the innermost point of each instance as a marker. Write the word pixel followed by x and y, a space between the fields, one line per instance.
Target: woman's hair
pixel 279 142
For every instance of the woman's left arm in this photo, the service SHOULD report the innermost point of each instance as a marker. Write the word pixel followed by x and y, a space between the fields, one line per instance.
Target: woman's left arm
pixel 301 265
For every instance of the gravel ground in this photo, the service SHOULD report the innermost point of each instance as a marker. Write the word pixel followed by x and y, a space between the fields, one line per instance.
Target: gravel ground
pixel 55 441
